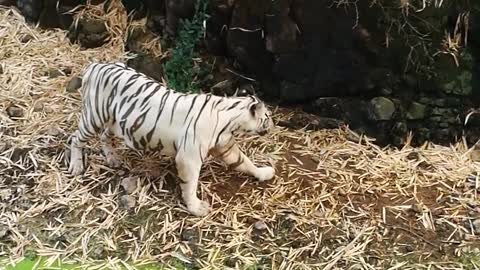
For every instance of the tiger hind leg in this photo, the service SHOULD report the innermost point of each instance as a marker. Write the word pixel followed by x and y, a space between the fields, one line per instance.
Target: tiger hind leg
pixel 235 159
pixel 112 157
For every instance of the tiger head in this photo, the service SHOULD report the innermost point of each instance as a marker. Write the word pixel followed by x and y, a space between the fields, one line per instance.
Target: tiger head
pixel 258 119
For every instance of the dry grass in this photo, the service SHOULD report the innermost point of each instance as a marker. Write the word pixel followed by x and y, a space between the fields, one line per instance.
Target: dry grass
pixel 338 202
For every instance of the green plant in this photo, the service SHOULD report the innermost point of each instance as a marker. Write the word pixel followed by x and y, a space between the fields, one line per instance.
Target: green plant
pixel 179 69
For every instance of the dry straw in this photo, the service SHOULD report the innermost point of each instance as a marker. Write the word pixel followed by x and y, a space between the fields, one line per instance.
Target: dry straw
pixel 338 202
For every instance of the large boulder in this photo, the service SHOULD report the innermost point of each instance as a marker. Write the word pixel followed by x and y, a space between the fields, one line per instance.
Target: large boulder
pixel 89 33
pixel 50 13
pixel 8 2
pixel 176 10
pixel 245 38
pixel 217 26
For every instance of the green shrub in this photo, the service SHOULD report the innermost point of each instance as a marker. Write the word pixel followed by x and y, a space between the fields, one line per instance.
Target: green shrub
pixel 178 68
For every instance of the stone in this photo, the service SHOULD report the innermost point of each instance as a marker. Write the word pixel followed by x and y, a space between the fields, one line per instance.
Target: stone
pixel 26 38
pixel 381 108
pixel 220 13
pixel 442 112
pixel 248 46
pixel 443 125
pixel 8 2
pixel 438 102
pixel 38 106
pixel 456 81
pixel 400 128
pixel 14 111
pixel 410 81
pixel 89 33
pixel 260 225
pixel 129 184
pixel 4 231
pixel 74 84
pixel 416 111
pixel 135 9
pixel 441 134
pixel 473 119
pixel 54 73
pixel 475 155
pixel 223 87
pixel 49 16
pixel 30 9
pixel 137 38
pixel 65 19
pixel 386 91
pixel 148 64
pixel 188 235
pixel 176 10
pixel 310 122
pixel 156 23
pixel 476 225
pixel 54 131
pixel 281 34
pixel 127 201
pixel 94 26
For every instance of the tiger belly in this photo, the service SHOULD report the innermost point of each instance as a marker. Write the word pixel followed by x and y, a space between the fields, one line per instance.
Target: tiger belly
pixel 140 139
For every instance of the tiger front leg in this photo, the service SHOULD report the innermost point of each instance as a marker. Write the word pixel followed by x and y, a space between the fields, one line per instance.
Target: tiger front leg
pixel 189 170
pixel 233 156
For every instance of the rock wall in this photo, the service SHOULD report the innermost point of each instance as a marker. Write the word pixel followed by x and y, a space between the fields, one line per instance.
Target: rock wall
pixel 373 66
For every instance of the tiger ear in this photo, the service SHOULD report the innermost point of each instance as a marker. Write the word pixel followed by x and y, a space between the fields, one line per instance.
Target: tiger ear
pixel 254 108
pixel 235 94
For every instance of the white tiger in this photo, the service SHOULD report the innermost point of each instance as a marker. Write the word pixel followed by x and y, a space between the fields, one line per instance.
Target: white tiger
pixel 121 102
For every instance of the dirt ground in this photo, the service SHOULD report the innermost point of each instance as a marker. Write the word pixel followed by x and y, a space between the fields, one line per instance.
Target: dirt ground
pixel 338 200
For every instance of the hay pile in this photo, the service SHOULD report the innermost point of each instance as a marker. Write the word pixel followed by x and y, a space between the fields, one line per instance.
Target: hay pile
pixel 338 201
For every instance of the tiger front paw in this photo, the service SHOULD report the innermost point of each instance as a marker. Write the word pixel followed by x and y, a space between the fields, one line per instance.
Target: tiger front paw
pixel 76 167
pixel 198 208
pixel 265 173
pixel 114 160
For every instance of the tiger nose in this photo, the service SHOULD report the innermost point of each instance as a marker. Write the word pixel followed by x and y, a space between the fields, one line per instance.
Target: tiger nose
pixel 263 132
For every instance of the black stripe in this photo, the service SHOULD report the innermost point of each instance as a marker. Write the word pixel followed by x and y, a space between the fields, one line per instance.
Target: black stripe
pixel 123 102
pixel 190 109
pixel 200 151
pixel 216 104
pixel 222 154
pixel 123 119
pixel 207 98
pixel 113 93
pixel 237 163
pixel 143 142
pixel 173 108
pixel 160 109
pixel 234 105
pixel 225 128
pixel 114 113
pixel 131 81
pixel 154 90
pixel 185 137
pixel 106 76
pixel 215 128
pixel 139 121
pixel 140 90
pixel 97 102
